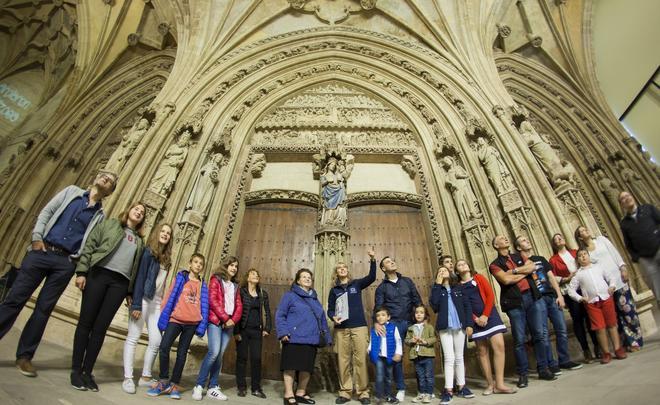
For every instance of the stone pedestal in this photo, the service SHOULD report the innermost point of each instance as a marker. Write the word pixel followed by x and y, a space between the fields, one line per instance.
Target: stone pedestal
pixel 154 204
pixel 186 238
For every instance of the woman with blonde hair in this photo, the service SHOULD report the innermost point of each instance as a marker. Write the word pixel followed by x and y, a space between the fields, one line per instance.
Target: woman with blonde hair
pixel 147 296
pixel 255 324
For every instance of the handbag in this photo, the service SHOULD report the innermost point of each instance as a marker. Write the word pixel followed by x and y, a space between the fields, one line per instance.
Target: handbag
pixel 323 340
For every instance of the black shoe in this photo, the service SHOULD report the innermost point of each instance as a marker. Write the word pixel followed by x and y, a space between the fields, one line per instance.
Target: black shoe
pixel 305 399
pixel 555 370
pixel 88 379
pixel 341 400
pixel 365 401
pixel 571 365
pixel 259 394
pixel 522 381
pixel 77 381
pixel 290 401
pixel 241 393
pixel 547 375
pixel 391 400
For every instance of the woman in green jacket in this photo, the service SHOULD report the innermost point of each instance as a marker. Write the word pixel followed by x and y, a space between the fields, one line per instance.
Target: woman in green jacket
pixel 105 273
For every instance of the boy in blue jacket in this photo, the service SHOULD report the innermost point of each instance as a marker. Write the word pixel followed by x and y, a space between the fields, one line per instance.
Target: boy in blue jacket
pixel 384 351
pixel 185 312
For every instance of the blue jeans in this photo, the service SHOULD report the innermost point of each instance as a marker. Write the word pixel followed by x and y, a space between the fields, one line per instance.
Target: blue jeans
pixel 218 340
pixel 185 334
pixel 402 327
pixel 425 375
pixel 531 314
pixel 556 316
pixel 384 378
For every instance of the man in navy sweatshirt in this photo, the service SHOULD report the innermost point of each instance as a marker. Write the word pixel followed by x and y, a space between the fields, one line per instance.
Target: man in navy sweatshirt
pixel 399 295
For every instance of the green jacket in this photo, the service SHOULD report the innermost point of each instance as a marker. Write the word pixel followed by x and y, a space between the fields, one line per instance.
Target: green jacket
pixel 426 350
pixel 102 241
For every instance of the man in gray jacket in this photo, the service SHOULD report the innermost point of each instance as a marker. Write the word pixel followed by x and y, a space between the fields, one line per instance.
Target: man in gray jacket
pixel 57 238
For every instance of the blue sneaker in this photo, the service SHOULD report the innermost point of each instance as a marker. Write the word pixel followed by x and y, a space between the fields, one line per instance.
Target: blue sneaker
pixel 446 398
pixel 174 392
pixel 160 389
pixel 465 393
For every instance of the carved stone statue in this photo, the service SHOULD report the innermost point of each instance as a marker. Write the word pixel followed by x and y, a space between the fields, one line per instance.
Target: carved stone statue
pixel 258 164
pixel 633 180
pixel 458 182
pixel 205 183
pixel 553 167
pixel 169 168
pixel 333 190
pixel 129 143
pixel 491 160
pixel 609 188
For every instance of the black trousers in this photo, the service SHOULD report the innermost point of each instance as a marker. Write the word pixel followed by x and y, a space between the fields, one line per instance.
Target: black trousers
pixel 171 332
pixel 251 340
pixel 581 324
pixel 37 266
pixel 103 294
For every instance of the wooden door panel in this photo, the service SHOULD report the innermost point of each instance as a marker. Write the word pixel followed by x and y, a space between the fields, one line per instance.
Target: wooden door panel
pixel 277 239
pixel 398 232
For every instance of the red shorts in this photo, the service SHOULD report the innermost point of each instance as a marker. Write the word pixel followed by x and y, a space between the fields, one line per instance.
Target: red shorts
pixel 602 314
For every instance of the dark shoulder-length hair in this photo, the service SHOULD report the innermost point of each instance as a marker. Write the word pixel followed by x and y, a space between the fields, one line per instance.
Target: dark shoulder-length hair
pixel 244 279
pixel 162 253
pixel 123 216
pixel 222 269
pixel 472 270
pixel 453 279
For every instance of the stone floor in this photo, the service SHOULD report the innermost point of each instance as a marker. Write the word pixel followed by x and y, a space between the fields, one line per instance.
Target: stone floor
pixel 630 381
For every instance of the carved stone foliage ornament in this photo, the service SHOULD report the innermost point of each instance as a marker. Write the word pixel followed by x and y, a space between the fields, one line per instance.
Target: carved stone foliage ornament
pixel 261 196
pixel 408 165
pixel 332 11
pixel 413 200
pixel 258 164
pixel 168 170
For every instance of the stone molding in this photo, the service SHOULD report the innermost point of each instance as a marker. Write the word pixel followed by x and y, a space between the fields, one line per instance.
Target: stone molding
pixel 374 197
pixel 263 196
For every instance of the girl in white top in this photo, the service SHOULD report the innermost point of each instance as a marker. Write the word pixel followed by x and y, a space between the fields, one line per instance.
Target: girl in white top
pixel 603 252
pixel 148 294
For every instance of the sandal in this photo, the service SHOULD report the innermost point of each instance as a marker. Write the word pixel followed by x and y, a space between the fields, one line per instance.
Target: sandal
pixel 287 401
pixel 509 391
pixel 305 399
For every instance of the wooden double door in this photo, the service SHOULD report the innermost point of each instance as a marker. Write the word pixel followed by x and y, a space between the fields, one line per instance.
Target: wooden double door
pixel 278 239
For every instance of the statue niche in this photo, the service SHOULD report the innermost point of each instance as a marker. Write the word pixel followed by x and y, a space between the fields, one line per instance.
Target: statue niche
pixel 168 170
pixel 205 184
pixel 129 143
pixel 496 170
pixel 333 190
pixel 556 170
pixel 458 183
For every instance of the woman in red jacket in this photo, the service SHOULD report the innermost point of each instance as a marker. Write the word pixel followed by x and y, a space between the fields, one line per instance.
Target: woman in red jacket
pixel 488 327
pixel 225 309
pixel 564 267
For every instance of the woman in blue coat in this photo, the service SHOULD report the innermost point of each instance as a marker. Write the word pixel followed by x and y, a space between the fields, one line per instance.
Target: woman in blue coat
pixel 302 328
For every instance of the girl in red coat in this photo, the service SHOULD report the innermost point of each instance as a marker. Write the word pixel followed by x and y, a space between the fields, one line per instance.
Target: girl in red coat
pixel 224 312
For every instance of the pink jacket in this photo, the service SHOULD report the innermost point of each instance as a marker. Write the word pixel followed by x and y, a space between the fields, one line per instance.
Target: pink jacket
pixel 217 314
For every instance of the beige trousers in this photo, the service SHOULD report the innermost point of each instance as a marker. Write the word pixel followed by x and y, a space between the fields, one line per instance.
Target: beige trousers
pixel 351 347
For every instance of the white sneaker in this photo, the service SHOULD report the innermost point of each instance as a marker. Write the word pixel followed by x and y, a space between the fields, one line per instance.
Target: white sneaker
pixel 426 399
pixel 418 399
pixel 215 393
pixel 128 386
pixel 147 383
pixel 400 395
pixel 197 393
